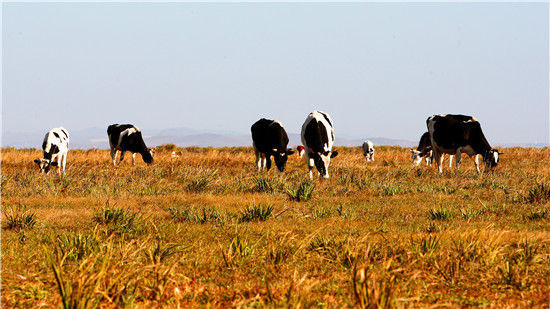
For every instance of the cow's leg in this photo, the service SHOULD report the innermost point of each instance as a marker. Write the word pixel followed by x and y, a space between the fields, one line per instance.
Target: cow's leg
pixel 310 165
pixel 263 161
pixel 114 154
pixel 121 156
pixel 65 161
pixel 372 157
pixel 476 161
pixel 258 160
pixel 451 161
pixel 438 158
pixel 134 158
pixel 458 159
pixel 268 162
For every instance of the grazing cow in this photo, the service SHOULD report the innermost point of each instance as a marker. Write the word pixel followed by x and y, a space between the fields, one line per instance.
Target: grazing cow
pixel 424 150
pixel 458 134
pixel 368 150
pixel 301 151
pixel 127 137
pixel 269 138
pixel 318 138
pixel 55 145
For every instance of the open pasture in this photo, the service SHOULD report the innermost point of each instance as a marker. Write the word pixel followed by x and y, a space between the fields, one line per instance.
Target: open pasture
pixel 206 229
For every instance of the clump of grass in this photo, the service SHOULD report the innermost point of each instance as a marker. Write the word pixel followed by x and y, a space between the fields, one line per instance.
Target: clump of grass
pixel 202 216
pixel 280 250
pixel 375 289
pixel 201 181
pixel 392 189
pixel 119 219
pixel 540 193
pixel 302 193
pixel 439 214
pixel 239 248
pixel 537 214
pixel 263 185
pixel 77 246
pixel 256 212
pixel 17 219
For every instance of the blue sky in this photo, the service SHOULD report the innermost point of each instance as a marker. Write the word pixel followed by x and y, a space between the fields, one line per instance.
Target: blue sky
pixel 380 69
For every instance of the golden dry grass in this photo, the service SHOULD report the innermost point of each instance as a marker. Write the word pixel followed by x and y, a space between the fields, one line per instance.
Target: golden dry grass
pixel 382 234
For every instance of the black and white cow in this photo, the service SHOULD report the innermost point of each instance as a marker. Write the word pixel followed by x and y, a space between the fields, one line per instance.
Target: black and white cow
pixel 127 137
pixel 55 145
pixel 458 134
pixel 424 151
pixel 269 138
pixel 368 150
pixel 318 139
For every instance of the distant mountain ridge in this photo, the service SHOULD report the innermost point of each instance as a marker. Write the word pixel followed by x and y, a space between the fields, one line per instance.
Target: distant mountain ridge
pixel 184 137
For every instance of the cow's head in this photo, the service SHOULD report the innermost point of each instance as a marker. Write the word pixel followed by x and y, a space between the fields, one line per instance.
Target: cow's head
pixel 491 158
pixel 416 157
pixel 322 161
pixel 280 156
pixel 45 165
pixel 148 155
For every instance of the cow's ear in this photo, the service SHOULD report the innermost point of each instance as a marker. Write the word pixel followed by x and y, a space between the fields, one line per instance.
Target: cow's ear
pixel 334 154
pixel 53 163
pixel 37 161
pixel 500 153
pixel 290 151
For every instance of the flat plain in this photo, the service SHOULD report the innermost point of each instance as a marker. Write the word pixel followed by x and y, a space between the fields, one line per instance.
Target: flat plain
pixel 206 229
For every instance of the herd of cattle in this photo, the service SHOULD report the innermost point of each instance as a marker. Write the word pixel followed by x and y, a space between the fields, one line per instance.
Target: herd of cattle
pixel 447 134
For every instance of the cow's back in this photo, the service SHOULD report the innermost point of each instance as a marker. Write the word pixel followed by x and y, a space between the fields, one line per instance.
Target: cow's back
pixel 268 134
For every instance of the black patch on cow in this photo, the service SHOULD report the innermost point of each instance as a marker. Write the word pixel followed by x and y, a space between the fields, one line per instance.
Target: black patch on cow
pixel 65 133
pixel 55 134
pixel 315 136
pixel 268 135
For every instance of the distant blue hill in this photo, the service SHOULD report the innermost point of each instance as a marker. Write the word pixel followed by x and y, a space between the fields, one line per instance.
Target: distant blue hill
pixel 185 137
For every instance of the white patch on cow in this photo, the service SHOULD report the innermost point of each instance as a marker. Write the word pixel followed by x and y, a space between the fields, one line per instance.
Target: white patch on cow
pixel 125 133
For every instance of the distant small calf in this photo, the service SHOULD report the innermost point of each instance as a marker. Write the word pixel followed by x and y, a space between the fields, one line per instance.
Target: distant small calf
pixel 55 145
pixel 127 137
pixel 175 154
pixel 368 151
pixel 301 150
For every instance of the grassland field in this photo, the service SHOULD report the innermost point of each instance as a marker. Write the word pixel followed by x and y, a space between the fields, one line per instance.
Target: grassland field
pixel 206 229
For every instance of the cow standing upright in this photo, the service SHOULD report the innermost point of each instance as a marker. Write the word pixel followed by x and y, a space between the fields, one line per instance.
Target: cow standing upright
pixel 127 137
pixel 318 139
pixel 269 138
pixel 457 134
pixel 368 150
pixel 54 146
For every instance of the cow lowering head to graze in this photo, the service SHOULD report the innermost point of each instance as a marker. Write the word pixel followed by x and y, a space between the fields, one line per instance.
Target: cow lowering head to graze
pixel 318 139
pixel 127 137
pixel 424 150
pixel 457 134
pixel 300 150
pixel 269 138
pixel 55 145
pixel 368 151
